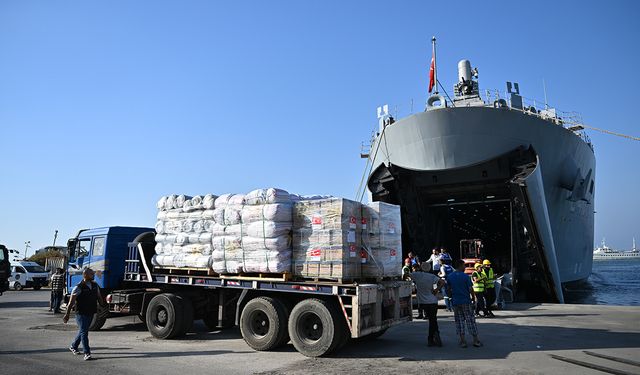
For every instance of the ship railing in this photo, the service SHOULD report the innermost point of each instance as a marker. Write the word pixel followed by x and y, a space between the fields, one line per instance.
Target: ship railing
pixel 568 119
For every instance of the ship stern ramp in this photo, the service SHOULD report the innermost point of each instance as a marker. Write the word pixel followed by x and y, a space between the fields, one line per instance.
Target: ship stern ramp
pixel 501 201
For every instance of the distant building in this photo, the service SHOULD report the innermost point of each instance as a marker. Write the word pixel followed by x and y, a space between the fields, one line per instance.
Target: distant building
pixel 61 249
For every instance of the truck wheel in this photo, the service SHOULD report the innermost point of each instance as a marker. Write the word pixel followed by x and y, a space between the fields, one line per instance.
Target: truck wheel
pixel 315 328
pixel 99 319
pixel 17 286
pixel 37 286
pixel 263 323
pixel 187 314
pixel 164 316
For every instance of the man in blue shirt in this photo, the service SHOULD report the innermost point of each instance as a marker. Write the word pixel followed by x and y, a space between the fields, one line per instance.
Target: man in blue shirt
pixel 460 288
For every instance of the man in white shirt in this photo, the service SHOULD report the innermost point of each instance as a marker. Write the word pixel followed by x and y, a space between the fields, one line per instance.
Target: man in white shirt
pixel 427 287
pixel 435 261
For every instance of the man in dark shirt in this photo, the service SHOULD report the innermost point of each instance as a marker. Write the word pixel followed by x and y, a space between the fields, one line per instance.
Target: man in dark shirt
pixel 57 290
pixel 85 297
pixel 427 287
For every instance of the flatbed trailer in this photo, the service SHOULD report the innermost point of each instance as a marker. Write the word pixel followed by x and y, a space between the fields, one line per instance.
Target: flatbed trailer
pixel 318 317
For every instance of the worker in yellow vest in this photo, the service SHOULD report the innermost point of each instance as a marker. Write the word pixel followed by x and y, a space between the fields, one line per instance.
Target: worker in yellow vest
pixel 489 286
pixel 477 277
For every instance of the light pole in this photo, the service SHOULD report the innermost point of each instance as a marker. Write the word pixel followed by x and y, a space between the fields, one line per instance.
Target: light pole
pixel 55 236
pixel 27 245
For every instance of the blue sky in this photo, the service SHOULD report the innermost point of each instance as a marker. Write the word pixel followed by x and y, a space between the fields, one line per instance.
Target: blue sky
pixel 106 106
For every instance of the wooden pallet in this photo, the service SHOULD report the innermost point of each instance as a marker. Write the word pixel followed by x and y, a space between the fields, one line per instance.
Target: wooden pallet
pixel 285 276
pixel 337 280
pixel 186 271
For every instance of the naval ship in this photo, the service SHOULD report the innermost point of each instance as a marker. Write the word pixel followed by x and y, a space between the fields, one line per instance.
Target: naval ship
pixel 517 176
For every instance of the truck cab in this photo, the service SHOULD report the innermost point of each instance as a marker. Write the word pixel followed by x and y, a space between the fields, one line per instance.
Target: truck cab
pixel 102 249
pixel 26 274
pixel 5 269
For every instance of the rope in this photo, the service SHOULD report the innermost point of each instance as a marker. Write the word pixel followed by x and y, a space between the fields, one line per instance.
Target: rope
pixel 611 133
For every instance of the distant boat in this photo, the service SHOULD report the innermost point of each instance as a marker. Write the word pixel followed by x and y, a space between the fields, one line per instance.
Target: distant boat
pixel 605 252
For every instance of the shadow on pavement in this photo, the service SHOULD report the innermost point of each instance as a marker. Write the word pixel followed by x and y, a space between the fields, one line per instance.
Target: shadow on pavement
pixel 51 350
pixel 126 355
pixel 500 340
pixel 20 304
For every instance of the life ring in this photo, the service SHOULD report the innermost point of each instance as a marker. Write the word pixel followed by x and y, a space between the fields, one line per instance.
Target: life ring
pixel 434 99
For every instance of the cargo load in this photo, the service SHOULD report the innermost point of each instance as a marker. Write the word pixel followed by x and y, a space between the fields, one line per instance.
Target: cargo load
pixel 272 231
pixel 381 240
pixel 327 239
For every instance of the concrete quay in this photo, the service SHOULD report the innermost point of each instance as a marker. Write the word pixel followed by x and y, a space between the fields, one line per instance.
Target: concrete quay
pixel 524 339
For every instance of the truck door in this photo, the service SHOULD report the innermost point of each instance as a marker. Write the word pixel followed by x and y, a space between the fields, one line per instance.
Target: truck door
pixel 98 262
pixel 81 259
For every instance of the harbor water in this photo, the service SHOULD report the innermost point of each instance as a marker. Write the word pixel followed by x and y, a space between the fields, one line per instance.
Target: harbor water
pixel 612 282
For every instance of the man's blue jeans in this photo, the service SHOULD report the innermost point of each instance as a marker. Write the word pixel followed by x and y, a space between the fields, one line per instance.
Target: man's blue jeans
pixel 84 321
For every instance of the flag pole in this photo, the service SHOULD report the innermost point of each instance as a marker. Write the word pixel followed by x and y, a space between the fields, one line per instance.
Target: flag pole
pixel 435 69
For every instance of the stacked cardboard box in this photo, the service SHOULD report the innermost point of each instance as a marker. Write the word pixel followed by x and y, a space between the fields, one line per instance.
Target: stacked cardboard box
pixel 327 239
pixel 381 240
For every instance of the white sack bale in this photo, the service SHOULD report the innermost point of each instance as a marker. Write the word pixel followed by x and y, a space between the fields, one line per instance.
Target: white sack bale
pixel 209 201
pixel 273 212
pixel 180 199
pixel 205 238
pixel 265 196
pixel 267 229
pixel 161 203
pixel 160 227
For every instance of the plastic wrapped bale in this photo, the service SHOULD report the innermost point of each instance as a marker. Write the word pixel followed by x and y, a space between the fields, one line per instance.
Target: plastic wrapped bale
pixel 281 212
pixel 381 240
pixel 326 239
pixel 208 201
pixel 227 253
pixel 266 196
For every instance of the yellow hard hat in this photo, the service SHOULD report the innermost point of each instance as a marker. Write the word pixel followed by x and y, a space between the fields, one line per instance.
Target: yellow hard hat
pixel 477 265
pixel 486 262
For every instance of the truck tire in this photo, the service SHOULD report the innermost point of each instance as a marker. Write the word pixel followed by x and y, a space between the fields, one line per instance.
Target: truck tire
pixel 37 286
pixel 263 323
pixel 315 328
pixel 164 316
pixel 187 315
pixel 17 286
pixel 99 318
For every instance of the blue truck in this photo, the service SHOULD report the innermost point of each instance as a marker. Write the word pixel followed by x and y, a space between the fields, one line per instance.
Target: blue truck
pixel 318 317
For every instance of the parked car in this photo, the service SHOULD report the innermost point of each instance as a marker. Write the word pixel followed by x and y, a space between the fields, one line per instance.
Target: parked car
pixel 28 275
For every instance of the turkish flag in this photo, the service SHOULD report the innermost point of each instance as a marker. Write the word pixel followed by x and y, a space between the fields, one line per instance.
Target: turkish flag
pixel 431 74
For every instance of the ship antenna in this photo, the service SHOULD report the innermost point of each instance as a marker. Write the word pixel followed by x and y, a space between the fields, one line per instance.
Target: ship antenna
pixel 544 88
pixel 435 69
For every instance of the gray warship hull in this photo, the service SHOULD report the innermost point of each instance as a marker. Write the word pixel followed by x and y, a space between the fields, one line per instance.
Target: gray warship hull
pixel 522 183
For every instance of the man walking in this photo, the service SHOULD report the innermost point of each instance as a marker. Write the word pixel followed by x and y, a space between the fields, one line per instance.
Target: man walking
pixel 427 300
pixel 461 290
pixel 85 297
pixel 57 290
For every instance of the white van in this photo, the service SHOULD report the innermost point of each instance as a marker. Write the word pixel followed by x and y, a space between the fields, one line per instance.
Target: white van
pixel 27 275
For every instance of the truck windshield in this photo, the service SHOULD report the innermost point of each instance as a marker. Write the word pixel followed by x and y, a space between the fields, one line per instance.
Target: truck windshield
pixel 34 269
